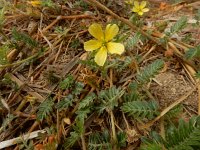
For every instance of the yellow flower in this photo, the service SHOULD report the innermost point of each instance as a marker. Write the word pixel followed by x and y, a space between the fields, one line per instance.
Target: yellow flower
pixel 36 3
pixel 140 8
pixel 103 42
pixel 130 2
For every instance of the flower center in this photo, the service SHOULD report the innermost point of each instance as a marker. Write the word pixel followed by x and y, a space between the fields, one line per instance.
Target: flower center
pixel 140 9
pixel 104 43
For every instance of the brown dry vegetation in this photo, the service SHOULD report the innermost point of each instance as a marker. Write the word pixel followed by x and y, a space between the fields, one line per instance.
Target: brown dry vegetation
pixel 33 74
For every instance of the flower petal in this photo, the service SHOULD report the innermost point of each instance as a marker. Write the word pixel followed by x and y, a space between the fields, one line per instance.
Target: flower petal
pixel 135 9
pixel 130 2
pixel 96 31
pixel 127 1
pixel 143 4
pixel 101 55
pixel 136 4
pixel 115 48
pixel 92 45
pixel 36 3
pixel 145 9
pixel 111 31
pixel 140 13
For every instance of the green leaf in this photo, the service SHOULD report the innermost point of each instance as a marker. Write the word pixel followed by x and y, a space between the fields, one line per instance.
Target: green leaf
pixel 3 54
pixel 185 137
pixel 179 25
pixel 121 65
pixel 109 98
pixel 100 141
pixel 2 17
pixel 45 108
pixel 121 138
pixel 151 146
pixel 65 103
pixel 133 86
pixel 153 142
pixel 78 88
pixel 132 96
pixel 48 3
pixel 141 109
pixel 193 52
pixel 7 121
pixel 82 114
pixel 197 75
pixel 74 135
pixel 66 83
pixel 197 16
pixel 150 71
pixel 79 127
pixel 25 38
pixel 87 101
pixel 176 111
pixel 133 40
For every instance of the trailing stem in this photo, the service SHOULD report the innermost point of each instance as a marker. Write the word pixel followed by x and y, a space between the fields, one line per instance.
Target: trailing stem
pixel 114 136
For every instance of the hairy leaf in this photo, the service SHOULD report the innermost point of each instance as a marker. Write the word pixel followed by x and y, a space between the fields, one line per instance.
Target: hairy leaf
pixel 109 98
pixel 66 83
pixel 78 88
pixel 141 109
pixel 65 103
pixel 193 52
pixel 7 121
pixel 174 112
pixel 2 17
pixel 133 40
pixel 3 54
pixel 45 108
pixel 87 101
pixel 197 75
pixel 179 25
pixel 25 38
pixel 74 135
pixel 185 137
pixel 150 71
pixel 151 146
pixel 132 96
pixel 82 114
pixel 99 141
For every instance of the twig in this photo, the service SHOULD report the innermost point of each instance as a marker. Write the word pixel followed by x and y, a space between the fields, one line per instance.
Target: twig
pixel 14 141
pixel 114 136
pixel 83 142
pixel 35 124
pixel 66 17
pixel 19 62
pixel 191 72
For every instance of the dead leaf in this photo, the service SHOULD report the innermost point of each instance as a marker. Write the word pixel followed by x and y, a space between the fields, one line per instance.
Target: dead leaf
pixel 169 53
pixel 163 6
pixel 67 121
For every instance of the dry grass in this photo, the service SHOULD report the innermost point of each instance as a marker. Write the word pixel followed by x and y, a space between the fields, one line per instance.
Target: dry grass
pixel 32 74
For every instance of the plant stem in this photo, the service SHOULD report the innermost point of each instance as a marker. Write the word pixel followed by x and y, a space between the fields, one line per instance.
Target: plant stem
pixel 114 136
pixel 19 62
pixel 83 141
pixel 4 35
